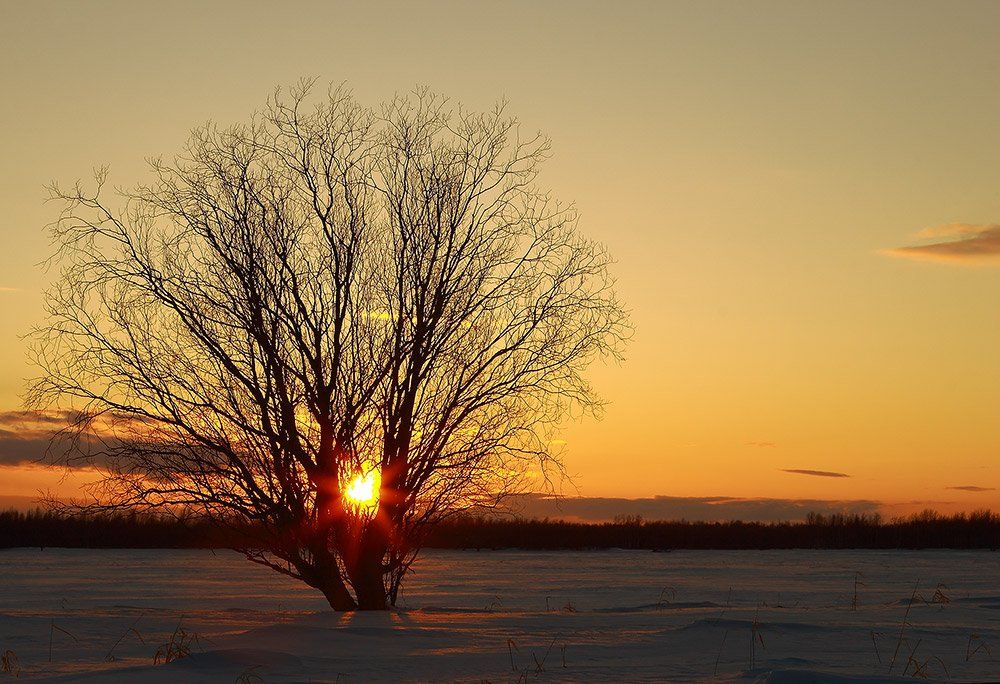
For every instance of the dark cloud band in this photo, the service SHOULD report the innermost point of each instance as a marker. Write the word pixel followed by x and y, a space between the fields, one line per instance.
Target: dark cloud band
pixel 709 509
pixel 814 473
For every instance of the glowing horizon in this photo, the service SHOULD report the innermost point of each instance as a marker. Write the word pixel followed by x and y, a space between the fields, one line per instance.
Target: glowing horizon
pixel 801 199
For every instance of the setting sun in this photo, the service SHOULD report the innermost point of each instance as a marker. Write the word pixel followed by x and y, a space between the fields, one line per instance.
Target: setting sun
pixel 362 491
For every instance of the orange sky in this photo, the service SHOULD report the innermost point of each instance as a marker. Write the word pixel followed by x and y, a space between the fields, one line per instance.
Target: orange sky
pixel 803 201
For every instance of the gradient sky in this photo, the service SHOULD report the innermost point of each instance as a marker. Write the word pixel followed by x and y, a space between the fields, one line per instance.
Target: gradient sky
pixel 803 200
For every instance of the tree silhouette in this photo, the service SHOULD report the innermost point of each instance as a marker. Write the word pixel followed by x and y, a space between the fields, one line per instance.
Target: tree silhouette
pixel 323 294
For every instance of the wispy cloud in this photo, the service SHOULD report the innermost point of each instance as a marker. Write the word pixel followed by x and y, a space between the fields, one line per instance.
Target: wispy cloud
pixel 31 419
pixel 9 289
pixel 956 243
pixel 972 488
pixel 762 445
pixel 814 473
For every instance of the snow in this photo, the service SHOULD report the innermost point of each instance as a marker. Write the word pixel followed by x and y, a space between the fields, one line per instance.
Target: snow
pixel 508 616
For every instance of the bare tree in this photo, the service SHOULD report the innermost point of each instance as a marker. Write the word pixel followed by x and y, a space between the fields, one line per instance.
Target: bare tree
pixel 322 299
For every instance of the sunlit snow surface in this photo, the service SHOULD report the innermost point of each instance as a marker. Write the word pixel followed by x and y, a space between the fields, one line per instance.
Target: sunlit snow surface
pixel 509 616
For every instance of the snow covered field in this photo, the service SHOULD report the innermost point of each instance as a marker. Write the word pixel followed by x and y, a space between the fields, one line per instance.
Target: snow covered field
pixel 509 616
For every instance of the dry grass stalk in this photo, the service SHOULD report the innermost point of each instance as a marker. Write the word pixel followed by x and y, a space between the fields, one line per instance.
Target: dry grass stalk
pixel 540 664
pixel 755 637
pixel 110 658
pixel 875 636
pixel 52 629
pixel 857 583
pixel 511 647
pixel 902 626
pixel 719 656
pixel 980 645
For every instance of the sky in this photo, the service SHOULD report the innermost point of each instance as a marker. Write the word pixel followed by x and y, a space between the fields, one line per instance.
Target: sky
pixel 803 200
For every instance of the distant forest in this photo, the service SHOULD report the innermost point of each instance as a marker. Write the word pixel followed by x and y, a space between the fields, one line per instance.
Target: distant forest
pixel 927 530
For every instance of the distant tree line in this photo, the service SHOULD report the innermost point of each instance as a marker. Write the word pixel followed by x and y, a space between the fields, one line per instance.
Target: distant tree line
pixel 978 530
pixel 927 530
pixel 129 530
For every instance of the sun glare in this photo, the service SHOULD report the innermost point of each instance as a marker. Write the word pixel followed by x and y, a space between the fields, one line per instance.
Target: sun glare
pixel 362 491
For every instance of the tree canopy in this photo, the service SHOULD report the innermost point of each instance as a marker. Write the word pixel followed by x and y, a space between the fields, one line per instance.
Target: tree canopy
pixel 324 293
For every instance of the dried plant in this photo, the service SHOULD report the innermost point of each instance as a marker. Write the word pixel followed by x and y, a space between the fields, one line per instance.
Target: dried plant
pixel 494 605
pixel 667 595
pixel 10 664
pixel 178 646
pixel 975 645
pixel 250 676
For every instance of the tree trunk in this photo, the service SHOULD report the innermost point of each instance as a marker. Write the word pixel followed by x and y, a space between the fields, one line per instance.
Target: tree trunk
pixel 323 574
pixel 370 588
pixel 366 571
pixel 338 597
